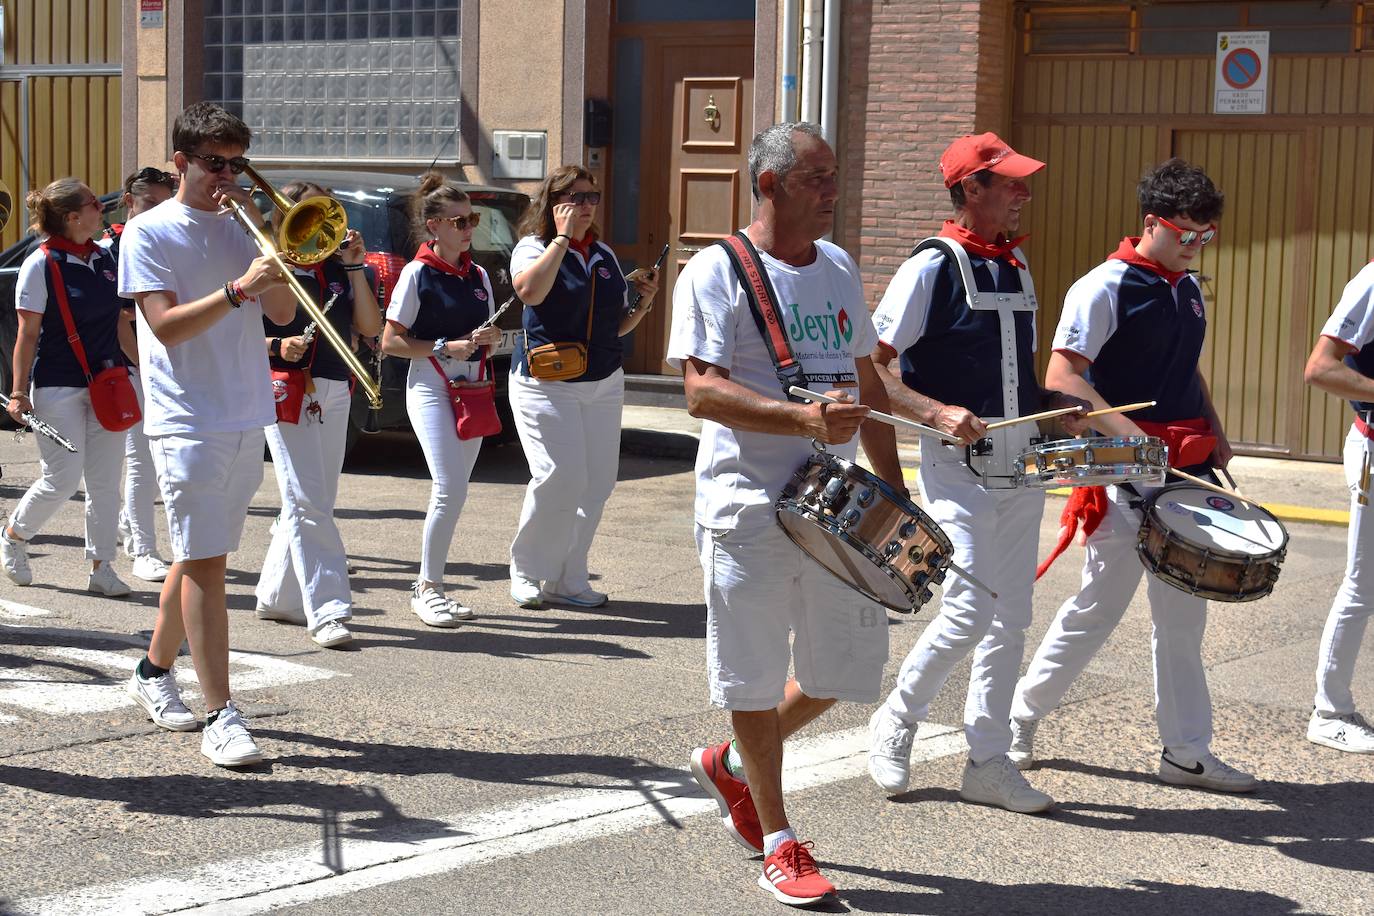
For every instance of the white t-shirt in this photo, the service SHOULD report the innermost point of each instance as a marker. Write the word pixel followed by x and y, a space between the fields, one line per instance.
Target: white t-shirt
pixel 219 380
pixel 740 474
pixel 1353 319
pixel 404 308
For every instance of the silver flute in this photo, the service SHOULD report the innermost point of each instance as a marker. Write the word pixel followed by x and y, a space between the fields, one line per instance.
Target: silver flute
pixel 40 426
pixel 495 315
pixel 308 334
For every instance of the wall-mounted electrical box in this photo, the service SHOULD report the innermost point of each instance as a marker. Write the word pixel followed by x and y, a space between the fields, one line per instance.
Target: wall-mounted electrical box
pixel 518 154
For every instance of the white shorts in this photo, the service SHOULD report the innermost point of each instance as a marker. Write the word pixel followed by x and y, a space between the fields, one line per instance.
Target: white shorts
pixel 207 482
pixel 759 588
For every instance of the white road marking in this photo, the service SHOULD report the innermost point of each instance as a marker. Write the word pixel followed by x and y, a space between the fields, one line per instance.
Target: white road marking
pixel 296 875
pixel 45 692
pixel 12 610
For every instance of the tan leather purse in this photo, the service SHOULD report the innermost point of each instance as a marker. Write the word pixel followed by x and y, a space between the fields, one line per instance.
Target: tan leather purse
pixel 564 359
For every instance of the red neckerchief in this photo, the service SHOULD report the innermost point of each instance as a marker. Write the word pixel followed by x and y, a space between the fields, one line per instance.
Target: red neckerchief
pixel 974 243
pixel 1128 253
pixel 114 231
pixel 81 249
pixel 583 245
pixel 430 258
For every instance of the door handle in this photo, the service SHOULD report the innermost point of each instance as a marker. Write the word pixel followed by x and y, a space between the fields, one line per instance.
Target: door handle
pixel 690 249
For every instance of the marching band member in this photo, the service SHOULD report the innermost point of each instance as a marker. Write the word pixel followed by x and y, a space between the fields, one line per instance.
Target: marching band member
pixel 569 426
pixel 1342 363
pixel 760 587
pixel 961 360
pixel 440 298
pixel 1132 330
pixel 143 190
pixel 202 289
pixel 67 214
pixel 304 577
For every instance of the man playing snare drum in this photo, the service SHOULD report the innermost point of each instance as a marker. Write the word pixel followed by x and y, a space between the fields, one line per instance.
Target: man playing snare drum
pixel 964 357
pixel 1132 330
pixel 760 587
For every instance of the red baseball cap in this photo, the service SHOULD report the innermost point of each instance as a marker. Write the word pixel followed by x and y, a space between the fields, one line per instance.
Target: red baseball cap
pixel 985 151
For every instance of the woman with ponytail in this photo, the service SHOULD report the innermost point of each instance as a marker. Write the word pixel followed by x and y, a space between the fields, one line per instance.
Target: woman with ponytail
pixel 305 574
pixel 439 301
pixel 569 426
pixel 67 272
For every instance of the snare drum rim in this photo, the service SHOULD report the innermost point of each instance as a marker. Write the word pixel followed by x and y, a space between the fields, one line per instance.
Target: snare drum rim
pixel 1095 442
pixel 1279 553
pixel 805 513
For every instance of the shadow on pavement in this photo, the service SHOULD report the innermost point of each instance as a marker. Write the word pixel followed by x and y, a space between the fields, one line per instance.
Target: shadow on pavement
pixel 480 638
pixel 945 896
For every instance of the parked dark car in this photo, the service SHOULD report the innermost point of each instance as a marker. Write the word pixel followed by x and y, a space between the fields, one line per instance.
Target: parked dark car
pixel 378 206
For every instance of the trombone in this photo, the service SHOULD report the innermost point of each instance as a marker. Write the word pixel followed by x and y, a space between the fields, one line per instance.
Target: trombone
pixel 308 232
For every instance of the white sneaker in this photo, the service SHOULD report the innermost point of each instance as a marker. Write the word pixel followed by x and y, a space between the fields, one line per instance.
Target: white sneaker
pixel 150 568
pixel 14 554
pixel 161 700
pixel 103 581
pixel 1206 772
pixel 226 740
pixel 998 782
pixel 331 633
pixel 1349 732
pixel 295 615
pixel 889 750
pixel 588 597
pixel 460 611
pixel 525 592
pixel 1022 753
pixel 431 607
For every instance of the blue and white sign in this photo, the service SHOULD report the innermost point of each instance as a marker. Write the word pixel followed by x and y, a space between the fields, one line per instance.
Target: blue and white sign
pixel 1242 78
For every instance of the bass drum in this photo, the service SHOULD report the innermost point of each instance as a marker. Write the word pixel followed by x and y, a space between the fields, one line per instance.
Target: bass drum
pixel 870 536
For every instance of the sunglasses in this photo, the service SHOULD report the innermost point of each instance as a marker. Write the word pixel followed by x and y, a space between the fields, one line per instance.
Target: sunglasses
pixel 1187 237
pixel 215 163
pixel 582 197
pixel 156 176
pixel 462 222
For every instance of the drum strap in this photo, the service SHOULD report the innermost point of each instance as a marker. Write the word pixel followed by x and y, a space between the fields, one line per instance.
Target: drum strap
pixel 758 289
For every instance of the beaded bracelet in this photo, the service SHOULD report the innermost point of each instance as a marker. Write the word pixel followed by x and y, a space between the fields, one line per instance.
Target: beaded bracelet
pixel 230 293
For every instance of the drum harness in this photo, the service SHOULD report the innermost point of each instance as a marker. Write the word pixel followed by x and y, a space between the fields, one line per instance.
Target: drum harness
pixel 991 459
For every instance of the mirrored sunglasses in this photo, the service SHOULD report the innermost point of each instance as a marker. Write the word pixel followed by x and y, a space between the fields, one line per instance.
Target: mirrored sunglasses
pixel 1188 237
pixel 462 222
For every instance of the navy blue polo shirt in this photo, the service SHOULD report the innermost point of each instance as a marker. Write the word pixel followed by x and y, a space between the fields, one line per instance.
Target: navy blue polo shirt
pixel 321 359
pixel 562 316
pixel 1143 335
pixel 92 294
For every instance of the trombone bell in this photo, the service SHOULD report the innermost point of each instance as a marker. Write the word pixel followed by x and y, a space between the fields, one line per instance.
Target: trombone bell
pixel 308 232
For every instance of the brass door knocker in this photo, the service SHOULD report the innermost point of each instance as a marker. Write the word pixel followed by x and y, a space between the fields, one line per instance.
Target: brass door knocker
pixel 711 112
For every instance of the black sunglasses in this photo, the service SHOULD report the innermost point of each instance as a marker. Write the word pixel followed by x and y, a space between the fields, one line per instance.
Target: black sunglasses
pixel 215 163
pixel 582 197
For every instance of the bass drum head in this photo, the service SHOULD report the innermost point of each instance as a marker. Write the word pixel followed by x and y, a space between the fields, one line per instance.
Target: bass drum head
pixel 1219 523
pixel 849 564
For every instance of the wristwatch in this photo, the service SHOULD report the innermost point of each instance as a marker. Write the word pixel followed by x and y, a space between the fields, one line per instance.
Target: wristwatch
pixel 439 346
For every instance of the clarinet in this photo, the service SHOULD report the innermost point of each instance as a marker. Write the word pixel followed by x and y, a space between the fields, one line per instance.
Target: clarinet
pixel 40 426
pixel 373 423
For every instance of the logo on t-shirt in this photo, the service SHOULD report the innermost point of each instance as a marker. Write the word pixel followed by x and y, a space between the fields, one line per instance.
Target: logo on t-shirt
pixel 108 275
pixel 278 390
pixel 1197 307
pixel 481 295
pixel 604 273
pixel 830 331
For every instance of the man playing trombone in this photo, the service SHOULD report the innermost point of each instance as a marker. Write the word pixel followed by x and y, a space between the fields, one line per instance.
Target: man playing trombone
pixel 202 289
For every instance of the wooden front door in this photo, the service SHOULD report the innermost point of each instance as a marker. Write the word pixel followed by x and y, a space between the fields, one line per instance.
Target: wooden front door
pixel 694 178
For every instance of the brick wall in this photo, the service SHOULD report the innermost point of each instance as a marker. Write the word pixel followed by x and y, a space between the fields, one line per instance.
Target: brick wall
pixel 918 74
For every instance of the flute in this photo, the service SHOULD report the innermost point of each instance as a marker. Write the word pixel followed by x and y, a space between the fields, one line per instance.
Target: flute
pixel 41 426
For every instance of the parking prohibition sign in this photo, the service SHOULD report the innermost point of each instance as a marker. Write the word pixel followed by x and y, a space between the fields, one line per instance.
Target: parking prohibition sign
pixel 1241 68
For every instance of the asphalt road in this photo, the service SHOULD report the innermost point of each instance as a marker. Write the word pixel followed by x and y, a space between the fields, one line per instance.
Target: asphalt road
pixel 535 761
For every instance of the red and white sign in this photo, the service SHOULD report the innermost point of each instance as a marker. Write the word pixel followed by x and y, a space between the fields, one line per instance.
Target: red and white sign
pixel 1242 75
pixel 151 14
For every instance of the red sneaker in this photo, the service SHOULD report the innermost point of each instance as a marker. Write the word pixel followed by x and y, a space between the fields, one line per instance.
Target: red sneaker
pixel 791 875
pixel 731 794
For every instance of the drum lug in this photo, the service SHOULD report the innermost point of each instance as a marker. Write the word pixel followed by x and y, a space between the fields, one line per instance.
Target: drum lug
pixel 849 517
pixel 1062 463
pixel 834 497
pixel 865 497
pixel 915 553
pixel 1089 456
pixel 908 529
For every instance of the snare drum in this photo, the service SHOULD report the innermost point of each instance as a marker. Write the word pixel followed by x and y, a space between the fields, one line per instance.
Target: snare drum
pixel 871 537
pixel 1211 545
pixel 1094 461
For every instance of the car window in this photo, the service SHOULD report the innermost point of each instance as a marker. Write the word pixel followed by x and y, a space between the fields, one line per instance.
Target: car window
pixel 496 231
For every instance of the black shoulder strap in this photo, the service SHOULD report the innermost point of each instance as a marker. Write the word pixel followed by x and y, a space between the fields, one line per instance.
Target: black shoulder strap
pixel 758 290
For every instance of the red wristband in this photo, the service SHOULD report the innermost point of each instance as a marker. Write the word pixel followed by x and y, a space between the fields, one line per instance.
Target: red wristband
pixel 238 291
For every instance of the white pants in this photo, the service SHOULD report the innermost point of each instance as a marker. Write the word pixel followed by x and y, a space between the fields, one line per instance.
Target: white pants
pixel 571 435
pixel 140 484
pixel 306 567
pixel 96 461
pixel 450 461
pixel 1354 602
pixel 1111 573
pixel 995 534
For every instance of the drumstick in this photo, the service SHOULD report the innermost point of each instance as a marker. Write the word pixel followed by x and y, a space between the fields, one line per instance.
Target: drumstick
pixel 1122 409
pixel 1206 484
pixel 960 571
pixel 1230 481
pixel 1043 415
pixel 873 414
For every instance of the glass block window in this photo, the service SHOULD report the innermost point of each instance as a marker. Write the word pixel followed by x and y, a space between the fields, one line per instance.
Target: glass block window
pixel 338 79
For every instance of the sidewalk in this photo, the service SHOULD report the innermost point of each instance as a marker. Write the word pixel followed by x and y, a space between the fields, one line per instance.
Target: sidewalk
pixel 1295 491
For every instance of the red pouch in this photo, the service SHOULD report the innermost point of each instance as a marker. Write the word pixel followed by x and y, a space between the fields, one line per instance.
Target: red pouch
pixel 474 404
pixel 288 390
pixel 113 399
